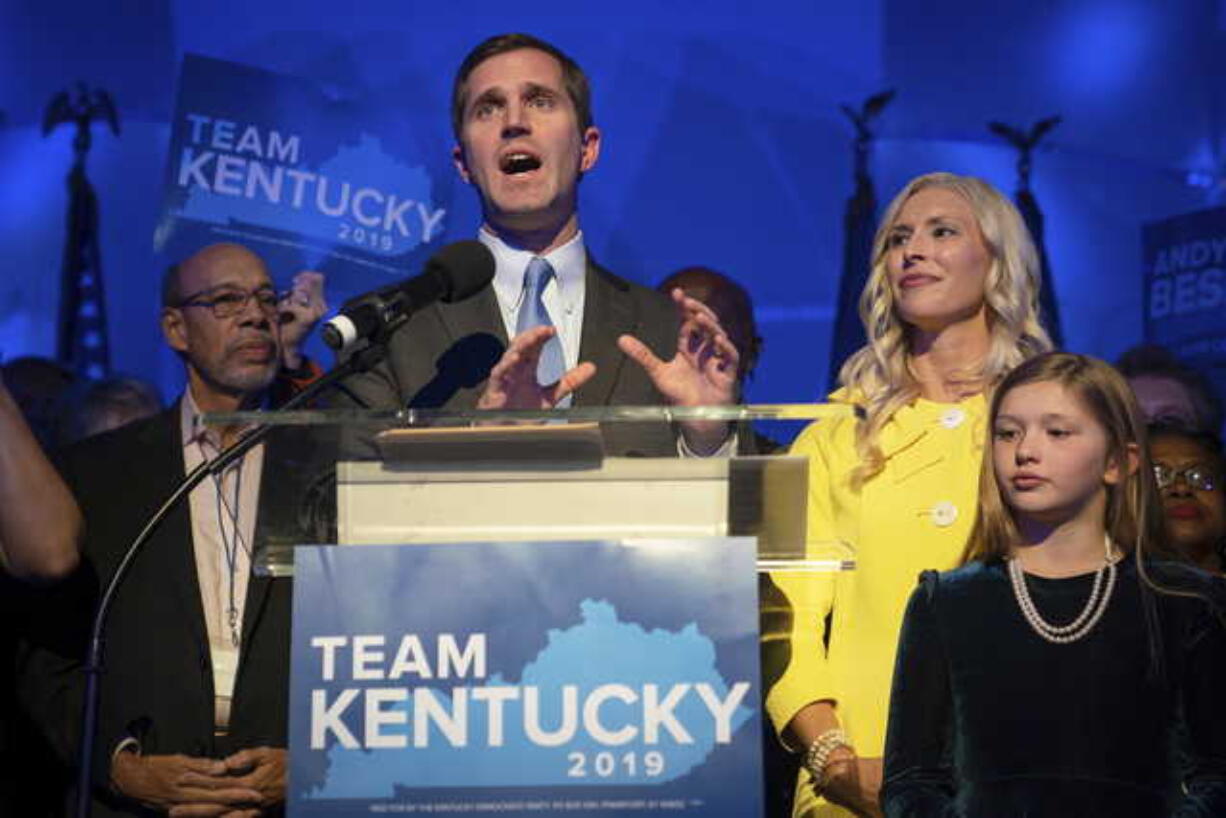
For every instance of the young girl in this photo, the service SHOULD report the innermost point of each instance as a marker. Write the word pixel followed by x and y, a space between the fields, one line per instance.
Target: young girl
pixel 1062 670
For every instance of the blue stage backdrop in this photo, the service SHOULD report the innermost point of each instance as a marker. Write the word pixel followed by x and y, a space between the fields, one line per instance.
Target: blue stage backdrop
pixel 723 144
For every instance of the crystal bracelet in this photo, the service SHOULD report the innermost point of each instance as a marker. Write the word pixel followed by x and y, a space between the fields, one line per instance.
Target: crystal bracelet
pixel 818 754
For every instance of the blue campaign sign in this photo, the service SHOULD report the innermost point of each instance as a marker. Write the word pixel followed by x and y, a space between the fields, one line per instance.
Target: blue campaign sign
pixel 579 678
pixel 353 187
pixel 1185 288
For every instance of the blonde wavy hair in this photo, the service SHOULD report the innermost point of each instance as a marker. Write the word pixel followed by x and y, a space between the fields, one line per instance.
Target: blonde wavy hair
pixel 879 376
pixel 1134 516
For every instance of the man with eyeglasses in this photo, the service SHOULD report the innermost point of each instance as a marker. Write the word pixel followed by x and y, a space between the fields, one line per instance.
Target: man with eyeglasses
pixel 192 711
pixel 295 312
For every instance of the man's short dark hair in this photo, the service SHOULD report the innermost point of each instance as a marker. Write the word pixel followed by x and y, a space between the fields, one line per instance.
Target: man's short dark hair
pixel 1156 361
pixel 573 78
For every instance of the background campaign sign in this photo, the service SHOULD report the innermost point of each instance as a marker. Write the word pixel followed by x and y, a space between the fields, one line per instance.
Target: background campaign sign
pixel 355 188
pixel 1185 289
pixel 572 678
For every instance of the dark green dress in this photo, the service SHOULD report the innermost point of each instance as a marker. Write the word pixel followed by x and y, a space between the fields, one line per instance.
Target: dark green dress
pixel 989 720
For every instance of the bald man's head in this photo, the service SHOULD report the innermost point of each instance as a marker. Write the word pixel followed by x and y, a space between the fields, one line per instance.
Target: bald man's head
pixel 220 314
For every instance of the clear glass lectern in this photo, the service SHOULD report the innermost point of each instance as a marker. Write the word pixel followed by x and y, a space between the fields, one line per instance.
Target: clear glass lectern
pixel 354 477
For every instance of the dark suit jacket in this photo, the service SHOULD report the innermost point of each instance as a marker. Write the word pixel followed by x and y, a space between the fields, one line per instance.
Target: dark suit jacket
pixel 157 682
pixel 442 356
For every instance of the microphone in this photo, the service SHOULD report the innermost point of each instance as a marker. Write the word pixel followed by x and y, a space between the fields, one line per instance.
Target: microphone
pixel 454 273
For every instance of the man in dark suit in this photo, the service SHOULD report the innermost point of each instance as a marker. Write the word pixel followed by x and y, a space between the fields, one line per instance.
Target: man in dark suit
pixel 521 113
pixel 192 713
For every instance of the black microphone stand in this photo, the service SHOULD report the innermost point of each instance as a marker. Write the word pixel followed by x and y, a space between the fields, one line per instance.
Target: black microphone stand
pixel 357 362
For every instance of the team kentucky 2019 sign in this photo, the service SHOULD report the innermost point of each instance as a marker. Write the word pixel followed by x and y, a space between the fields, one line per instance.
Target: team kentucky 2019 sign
pixel 587 678
pixel 348 184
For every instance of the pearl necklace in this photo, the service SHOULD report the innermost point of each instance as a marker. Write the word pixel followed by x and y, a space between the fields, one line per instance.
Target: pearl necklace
pixel 1085 621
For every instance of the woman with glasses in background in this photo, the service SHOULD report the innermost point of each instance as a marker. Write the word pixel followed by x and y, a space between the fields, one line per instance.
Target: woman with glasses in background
pixel 1189 468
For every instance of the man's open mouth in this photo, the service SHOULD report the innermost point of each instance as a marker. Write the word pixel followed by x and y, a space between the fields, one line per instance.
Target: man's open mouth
pixel 518 162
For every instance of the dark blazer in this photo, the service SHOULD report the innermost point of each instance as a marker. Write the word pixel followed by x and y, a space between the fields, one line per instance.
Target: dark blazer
pixel 157 682
pixel 442 356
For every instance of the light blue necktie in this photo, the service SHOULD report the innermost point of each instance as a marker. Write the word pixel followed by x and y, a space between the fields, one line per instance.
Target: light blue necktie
pixel 532 313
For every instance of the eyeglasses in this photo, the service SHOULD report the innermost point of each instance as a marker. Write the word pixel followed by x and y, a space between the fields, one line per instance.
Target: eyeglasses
pixel 229 303
pixel 1197 476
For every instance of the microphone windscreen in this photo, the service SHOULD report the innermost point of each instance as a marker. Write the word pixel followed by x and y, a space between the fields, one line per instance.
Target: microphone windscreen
pixel 463 268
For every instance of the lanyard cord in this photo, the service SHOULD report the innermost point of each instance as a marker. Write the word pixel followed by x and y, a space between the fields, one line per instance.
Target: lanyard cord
pixel 232 541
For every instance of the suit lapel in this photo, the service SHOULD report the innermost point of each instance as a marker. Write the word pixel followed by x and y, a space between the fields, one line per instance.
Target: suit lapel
pixel 608 312
pixel 474 316
pixel 466 340
pixel 163 450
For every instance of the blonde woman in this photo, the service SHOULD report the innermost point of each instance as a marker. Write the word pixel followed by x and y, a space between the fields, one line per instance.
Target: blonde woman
pixel 950 306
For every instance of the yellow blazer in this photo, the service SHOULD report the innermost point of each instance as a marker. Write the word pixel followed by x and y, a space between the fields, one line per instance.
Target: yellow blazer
pixel 913 515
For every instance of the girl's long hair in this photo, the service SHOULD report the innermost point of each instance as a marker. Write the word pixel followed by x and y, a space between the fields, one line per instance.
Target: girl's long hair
pixel 1134 512
pixel 878 376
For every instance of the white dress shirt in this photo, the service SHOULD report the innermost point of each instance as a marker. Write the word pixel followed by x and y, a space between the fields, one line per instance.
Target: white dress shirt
pixel 223 513
pixel 563 295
